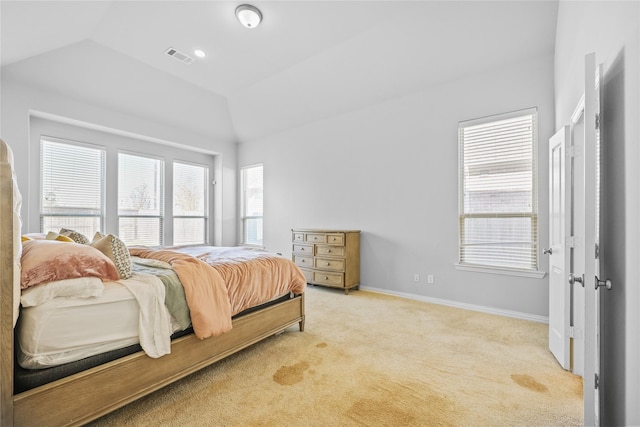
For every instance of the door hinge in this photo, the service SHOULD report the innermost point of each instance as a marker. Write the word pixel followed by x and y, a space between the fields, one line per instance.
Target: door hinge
pixel 597 251
pixel 596 382
pixel 571 332
pixel 597 121
pixel 571 242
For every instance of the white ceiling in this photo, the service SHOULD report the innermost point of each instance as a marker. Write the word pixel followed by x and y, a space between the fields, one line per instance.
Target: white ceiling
pixel 307 60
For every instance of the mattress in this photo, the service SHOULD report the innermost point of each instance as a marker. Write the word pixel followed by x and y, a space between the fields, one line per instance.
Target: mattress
pixel 26 379
pixel 63 330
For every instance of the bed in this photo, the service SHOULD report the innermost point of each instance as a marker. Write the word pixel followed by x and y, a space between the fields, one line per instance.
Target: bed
pixel 74 392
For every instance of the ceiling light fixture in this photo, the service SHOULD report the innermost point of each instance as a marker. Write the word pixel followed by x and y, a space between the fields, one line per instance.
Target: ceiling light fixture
pixel 249 16
pixel 199 53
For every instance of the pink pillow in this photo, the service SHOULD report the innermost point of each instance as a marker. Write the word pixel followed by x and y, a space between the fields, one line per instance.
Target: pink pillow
pixel 49 260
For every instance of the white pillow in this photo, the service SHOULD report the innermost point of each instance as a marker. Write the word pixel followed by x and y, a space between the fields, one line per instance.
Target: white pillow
pixel 82 287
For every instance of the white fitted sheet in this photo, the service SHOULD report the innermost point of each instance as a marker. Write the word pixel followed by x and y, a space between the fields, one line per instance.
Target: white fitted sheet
pixel 63 330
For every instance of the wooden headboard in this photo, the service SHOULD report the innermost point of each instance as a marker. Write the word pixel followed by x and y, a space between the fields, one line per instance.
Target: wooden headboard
pixel 6 284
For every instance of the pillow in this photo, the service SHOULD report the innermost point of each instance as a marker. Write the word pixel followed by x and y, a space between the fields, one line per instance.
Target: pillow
pixel 50 260
pixel 150 262
pixel 59 237
pixel 75 236
pixel 116 250
pixel 82 287
pixel 33 236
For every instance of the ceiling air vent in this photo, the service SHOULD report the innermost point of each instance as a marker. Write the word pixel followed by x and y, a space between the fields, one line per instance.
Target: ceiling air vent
pixel 179 55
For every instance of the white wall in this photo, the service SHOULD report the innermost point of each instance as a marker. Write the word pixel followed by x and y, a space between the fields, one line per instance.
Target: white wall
pixel 20 101
pixel 611 30
pixel 391 170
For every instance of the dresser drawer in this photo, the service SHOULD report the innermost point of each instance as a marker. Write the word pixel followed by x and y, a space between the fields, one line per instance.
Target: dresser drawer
pixel 315 238
pixel 303 249
pixel 329 250
pixel 298 237
pixel 329 264
pixel 331 279
pixel 303 261
pixel 335 239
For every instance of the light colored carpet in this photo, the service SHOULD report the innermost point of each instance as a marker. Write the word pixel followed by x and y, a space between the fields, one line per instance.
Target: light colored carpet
pixel 367 359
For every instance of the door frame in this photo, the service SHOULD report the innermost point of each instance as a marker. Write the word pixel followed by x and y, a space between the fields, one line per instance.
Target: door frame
pixel 576 300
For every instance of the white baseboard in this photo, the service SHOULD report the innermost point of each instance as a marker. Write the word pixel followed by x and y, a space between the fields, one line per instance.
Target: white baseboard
pixel 465 306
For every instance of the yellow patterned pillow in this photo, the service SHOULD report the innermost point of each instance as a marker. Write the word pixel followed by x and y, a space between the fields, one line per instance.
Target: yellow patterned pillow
pixel 75 236
pixel 116 250
pixel 59 237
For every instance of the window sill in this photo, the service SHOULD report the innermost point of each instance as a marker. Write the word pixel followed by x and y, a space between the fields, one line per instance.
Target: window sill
pixel 504 271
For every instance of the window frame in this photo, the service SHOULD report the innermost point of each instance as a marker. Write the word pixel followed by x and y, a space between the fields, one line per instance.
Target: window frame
pixel 206 214
pixel 103 180
pixel 243 205
pixel 162 196
pixel 533 214
pixel 113 141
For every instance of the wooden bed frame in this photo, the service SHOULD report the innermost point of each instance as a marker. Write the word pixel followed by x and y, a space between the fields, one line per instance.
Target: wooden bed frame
pixel 87 395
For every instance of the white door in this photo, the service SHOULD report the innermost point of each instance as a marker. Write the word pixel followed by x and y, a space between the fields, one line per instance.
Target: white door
pixel 591 234
pixel 558 250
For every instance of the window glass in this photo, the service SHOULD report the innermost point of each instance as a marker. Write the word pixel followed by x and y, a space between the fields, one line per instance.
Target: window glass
pixel 72 187
pixel 189 203
pixel 252 205
pixel 140 199
pixel 498 191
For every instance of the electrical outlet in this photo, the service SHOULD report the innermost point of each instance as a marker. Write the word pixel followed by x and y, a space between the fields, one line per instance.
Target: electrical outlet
pixel 416 277
pixel 430 279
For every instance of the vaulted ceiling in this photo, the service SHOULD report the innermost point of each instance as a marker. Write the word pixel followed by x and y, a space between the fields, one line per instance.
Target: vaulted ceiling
pixel 306 61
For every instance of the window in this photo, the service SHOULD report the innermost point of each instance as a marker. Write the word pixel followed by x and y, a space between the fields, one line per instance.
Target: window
pixel 498 217
pixel 251 209
pixel 189 204
pixel 71 187
pixel 145 192
pixel 140 199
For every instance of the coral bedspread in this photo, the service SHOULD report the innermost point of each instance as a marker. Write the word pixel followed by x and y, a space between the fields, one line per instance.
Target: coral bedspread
pixel 222 281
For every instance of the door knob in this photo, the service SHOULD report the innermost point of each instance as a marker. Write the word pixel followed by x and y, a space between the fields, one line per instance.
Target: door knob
pixel 576 279
pixel 606 283
pixel 546 251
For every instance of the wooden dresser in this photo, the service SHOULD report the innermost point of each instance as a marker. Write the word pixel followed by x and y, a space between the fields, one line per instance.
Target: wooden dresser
pixel 328 257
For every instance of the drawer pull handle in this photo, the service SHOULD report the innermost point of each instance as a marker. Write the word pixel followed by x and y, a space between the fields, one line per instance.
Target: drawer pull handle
pixel 326 278
pixel 328 251
pixel 328 264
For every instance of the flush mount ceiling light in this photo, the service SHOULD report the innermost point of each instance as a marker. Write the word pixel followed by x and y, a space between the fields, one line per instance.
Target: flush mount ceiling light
pixel 248 15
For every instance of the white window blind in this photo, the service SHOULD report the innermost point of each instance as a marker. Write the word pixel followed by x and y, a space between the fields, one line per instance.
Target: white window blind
pixel 498 221
pixel 189 203
pixel 72 187
pixel 140 199
pixel 252 204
